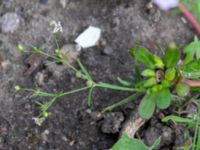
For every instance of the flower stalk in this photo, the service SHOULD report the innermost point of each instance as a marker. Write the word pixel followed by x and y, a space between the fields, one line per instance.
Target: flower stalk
pixel 190 17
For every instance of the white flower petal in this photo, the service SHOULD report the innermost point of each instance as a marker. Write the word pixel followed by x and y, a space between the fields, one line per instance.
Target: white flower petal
pixel 89 37
pixel 57 27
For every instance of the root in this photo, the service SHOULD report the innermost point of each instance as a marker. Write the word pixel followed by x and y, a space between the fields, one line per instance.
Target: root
pixel 133 124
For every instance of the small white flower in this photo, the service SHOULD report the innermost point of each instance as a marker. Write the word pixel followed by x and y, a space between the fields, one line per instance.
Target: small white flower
pixel 57 27
pixel 38 121
pixel 166 4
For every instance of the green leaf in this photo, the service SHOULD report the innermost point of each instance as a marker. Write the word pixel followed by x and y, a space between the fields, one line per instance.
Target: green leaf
pixel 148 73
pixel 177 119
pixel 158 63
pixel 195 88
pixel 163 98
pixel 182 89
pixel 198 140
pixel 147 106
pixel 165 83
pixel 84 70
pixel 122 102
pixel 150 82
pixel 127 143
pixel 171 56
pixel 191 70
pixel 170 74
pixel 156 88
pixel 124 82
pixel 192 51
pixel 142 55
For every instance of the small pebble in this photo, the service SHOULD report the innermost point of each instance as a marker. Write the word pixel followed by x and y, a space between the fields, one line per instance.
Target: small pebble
pixel 72 143
pixel 151 134
pixel 107 51
pixel 40 77
pixel 10 22
pixel 112 122
pixel 44 135
pixel 167 135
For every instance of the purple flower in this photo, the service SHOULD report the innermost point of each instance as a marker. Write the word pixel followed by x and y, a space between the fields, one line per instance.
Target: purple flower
pixel 166 4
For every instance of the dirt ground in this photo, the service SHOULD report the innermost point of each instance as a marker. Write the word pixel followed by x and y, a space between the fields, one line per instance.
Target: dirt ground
pixel 71 125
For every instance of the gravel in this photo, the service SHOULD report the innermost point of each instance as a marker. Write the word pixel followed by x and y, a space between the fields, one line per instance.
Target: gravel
pixel 10 22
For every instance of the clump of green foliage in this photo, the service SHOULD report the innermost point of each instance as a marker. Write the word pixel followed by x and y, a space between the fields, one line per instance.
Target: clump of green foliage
pixel 163 75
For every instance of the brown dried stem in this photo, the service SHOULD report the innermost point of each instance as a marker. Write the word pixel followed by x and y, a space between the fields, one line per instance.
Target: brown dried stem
pixel 133 124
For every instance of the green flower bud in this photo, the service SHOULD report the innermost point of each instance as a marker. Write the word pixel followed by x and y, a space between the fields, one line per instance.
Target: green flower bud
pixel 89 83
pixel 17 88
pixel 182 89
pixel 170 74
pixel 20 47
pixel 45 114
pixel 148 73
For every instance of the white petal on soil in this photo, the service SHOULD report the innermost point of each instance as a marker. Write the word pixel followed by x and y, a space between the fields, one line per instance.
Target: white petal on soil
pixel 89 37
pixel 166 4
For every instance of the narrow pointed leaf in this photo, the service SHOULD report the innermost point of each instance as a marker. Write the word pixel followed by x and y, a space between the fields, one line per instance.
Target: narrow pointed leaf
pixel 84 70
pixel 142 55
pixel 177 119
pixel 171 56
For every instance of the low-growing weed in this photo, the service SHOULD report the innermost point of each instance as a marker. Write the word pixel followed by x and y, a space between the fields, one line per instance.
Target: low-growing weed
pixel 160 78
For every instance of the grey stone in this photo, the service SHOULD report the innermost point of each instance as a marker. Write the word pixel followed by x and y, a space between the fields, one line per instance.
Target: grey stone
pixel 151 135
pixel 10 22
pixel 167 135
pixel 112 122
pixel 107 51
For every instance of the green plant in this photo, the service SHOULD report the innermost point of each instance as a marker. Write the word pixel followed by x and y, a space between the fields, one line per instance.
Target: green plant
pixel 82 74
pixel 127 143
pixel 159 77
